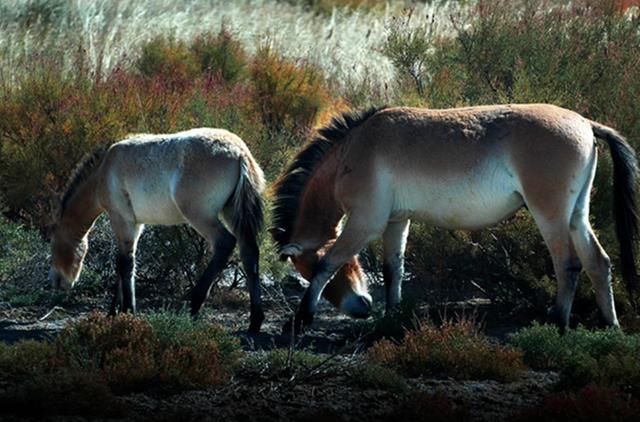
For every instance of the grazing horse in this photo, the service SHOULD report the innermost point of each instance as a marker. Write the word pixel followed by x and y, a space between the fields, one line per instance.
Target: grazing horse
pixel 464 168
pixel 190 177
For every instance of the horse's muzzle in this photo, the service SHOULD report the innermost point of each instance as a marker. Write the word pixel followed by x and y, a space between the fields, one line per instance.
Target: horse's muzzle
pixel 357 306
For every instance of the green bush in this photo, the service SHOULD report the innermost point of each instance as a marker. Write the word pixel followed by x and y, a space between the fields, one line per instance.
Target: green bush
pixel 378 377
pixel 456 349
pixel 605 357
pixel 289 95
pixel 281 364
pixel 220 54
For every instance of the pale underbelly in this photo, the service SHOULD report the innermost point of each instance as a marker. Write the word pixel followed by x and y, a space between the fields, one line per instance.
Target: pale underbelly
pixel 155 206
pixel 158 213
pixel 456 207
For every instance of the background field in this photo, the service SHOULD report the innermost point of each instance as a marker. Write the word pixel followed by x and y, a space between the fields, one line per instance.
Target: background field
pixel 78 74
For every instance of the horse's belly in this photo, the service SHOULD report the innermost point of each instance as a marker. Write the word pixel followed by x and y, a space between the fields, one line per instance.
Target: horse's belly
pixel 465 204
pixel 153 203
pixel 159 212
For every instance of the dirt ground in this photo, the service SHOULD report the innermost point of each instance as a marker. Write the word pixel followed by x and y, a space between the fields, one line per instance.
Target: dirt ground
pixel 324 395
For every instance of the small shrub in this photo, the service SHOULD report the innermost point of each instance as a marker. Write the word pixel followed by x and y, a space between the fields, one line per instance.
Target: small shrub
pixel 279 364
pixel 168 59
pixel 26 358
pixel 133 353
pixel 606 357
pixel 378 377
pixel 592 403
pixel 288 95
pixel 456 349
pixel 220 54
pixel 407 49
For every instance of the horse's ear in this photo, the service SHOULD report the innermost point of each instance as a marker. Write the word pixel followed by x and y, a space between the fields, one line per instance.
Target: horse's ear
pixel 290 250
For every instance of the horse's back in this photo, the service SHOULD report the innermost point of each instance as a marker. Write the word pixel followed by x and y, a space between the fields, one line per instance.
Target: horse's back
pixel 467 167
pixel 157 179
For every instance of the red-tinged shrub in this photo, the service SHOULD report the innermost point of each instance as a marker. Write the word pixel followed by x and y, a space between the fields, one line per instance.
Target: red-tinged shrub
pixel 455 349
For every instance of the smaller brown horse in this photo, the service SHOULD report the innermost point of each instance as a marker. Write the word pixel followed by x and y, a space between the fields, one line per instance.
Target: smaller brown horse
pixel 463 168
pixel 190 177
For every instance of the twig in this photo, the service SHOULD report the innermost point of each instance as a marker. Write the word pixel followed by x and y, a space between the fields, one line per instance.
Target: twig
pixel 51 311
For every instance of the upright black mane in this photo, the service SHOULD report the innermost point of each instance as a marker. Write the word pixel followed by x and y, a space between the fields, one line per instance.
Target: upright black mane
pixel 85 167
pixel 289 187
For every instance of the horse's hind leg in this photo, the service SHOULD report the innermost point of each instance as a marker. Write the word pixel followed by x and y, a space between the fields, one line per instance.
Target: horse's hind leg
pixel 594 259
pixel 566 264
pixel 250 256
pixel 394 241
pixel 127 234
pixel 223 243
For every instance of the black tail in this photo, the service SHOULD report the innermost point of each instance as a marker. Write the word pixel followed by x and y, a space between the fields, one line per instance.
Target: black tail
pixel 625 175
pixel 247 216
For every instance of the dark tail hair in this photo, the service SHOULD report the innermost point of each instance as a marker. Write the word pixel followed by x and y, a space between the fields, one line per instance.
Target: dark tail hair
pixel 625 175
pixel 247 217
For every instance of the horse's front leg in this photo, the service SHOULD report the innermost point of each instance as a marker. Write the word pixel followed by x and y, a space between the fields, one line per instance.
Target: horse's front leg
pixel 394 241
pixel 127 234
pixel 116 301
pixel 125 264
pixel 356 234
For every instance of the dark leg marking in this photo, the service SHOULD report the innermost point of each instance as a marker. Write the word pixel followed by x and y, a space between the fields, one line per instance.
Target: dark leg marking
pixel 222 250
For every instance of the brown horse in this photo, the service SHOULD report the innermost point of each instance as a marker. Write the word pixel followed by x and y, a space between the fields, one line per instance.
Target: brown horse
pixel 190 177
pixel 463 168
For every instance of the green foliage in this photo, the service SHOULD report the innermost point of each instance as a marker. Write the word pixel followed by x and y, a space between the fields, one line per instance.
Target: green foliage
pixel 378 377
pixel 606 357
pixel 26 359
pixel 509 263
pixel 408 49
pixel 456 349
pixel 168 59
pixel 289 95
pixel 220 54
pixel 282 364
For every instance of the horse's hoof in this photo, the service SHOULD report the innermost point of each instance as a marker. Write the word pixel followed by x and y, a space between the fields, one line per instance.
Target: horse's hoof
pixel 254 327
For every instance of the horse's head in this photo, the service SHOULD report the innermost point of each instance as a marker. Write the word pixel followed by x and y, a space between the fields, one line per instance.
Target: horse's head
pixel 347 290
pixel 67 254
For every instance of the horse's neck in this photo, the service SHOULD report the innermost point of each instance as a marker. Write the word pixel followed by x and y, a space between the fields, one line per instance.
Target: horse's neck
pixel 319 212
pixel 83 209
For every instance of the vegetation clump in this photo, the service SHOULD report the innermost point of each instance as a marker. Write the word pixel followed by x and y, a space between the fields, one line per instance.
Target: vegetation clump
pixel 581 356
pixel 99 357
pixel 456 349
